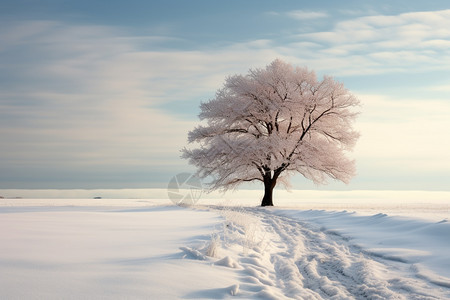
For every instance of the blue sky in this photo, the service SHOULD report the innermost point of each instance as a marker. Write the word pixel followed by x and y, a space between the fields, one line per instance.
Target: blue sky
pixel 101 94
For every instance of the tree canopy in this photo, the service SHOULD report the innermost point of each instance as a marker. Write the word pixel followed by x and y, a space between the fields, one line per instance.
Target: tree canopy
pixel 274 122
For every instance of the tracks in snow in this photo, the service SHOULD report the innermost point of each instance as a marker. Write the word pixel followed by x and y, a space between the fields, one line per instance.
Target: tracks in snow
pixel 284 258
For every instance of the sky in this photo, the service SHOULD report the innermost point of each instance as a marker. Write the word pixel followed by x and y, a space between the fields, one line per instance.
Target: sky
pixel 102 94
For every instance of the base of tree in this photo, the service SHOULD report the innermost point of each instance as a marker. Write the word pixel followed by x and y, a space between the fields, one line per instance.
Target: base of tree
pixel 269 184
pixel 267 201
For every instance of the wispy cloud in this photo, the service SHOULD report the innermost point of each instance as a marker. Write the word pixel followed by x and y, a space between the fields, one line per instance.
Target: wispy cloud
pixel 443 88
pixel 91 97
pixel 372 44
pixel 85 97
pixel 381 43
pixel 306 15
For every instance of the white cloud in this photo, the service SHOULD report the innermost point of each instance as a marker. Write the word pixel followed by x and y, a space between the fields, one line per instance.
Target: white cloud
pixel 91 98
pixel 306 15
pixel 441 88
pixel 437 44
pixel 357 12
pixel 90 95
pixel 416 40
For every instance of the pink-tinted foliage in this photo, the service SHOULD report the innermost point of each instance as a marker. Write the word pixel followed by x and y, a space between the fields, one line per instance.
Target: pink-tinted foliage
pixel 274 122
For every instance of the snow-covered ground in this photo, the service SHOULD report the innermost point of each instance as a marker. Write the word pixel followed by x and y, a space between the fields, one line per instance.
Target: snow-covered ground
pixel 151 249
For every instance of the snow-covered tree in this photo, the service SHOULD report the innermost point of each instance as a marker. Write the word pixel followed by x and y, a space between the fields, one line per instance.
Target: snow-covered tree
pixel 271 123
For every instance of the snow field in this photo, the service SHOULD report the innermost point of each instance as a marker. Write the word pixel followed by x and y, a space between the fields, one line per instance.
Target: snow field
pixel 105 253
pixel 217 252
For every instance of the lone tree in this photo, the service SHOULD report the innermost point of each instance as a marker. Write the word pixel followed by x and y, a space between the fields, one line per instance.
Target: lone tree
pixel 271 123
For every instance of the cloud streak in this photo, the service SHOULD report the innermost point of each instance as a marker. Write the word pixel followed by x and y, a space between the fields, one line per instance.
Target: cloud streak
pixel 382 43
pixel 306 15
pixel 80 99
pixel 86 98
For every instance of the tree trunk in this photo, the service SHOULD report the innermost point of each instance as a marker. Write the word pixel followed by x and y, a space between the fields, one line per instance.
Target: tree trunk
pixel 269 184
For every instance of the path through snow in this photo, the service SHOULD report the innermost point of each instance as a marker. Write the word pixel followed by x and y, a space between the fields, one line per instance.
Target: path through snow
pixel 60 251
pixel 279 257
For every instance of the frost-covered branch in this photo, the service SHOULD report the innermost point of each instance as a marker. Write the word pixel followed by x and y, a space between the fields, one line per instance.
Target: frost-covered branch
pixel 274 121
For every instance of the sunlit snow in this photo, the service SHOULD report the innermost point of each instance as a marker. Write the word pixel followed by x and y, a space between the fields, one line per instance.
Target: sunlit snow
pixel 151 249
